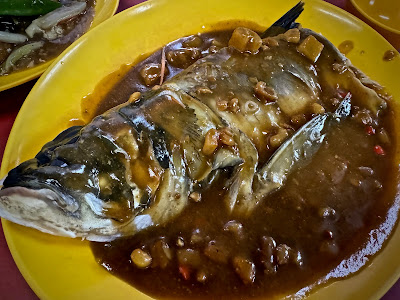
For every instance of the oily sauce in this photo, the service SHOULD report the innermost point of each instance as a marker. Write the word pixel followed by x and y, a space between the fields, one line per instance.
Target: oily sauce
pixel 346 47
pixel 390 55
pixel 307 232
pixel 133 82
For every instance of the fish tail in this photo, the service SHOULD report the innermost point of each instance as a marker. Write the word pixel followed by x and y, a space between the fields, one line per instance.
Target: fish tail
pixel 286 22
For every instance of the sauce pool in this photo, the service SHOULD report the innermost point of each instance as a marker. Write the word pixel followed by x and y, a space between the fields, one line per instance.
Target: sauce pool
pixel 329 218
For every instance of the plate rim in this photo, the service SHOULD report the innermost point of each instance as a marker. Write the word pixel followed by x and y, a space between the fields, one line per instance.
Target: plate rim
pixel 372 20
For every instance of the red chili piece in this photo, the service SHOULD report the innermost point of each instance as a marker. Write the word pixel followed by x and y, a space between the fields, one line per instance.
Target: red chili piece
pixel 370 130
pixel 185 272
pixel 379 150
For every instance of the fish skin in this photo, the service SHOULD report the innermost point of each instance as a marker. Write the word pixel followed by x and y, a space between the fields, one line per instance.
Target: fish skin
pixel 88 182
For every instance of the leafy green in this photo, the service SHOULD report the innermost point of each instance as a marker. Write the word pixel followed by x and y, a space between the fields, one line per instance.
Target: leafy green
pixel 27 7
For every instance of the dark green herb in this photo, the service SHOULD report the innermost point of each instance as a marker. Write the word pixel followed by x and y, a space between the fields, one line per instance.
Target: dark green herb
pixel 27 7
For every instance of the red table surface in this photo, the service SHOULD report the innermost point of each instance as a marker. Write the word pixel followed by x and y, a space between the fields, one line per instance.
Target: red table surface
pixel 12 284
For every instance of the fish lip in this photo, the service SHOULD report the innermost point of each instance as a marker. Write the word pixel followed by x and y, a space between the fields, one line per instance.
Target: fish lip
pixel 24 191
pixel 60 197
pixel 22 205
pixel 38 209
pixel 44 193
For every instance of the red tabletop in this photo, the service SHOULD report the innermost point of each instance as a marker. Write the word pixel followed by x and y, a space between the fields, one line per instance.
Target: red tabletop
pixel 12 284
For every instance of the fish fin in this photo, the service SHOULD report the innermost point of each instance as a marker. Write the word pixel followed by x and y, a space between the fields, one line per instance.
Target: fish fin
pixel 233 189
pixel 169 99
pixel 286 22
pixel 171 196
pixel 206 119
pixel 240 184
pixel 297 151
pixel 225 158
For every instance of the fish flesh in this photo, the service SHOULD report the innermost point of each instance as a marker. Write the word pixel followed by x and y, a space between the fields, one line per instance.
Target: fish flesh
pixel 138 164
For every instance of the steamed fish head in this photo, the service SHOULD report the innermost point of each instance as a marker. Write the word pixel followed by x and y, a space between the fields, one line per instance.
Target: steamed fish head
pixel 130 168
pixel 88 182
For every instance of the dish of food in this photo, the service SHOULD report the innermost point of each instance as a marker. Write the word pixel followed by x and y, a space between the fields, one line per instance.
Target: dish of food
pixel 334 115
pixel 33 33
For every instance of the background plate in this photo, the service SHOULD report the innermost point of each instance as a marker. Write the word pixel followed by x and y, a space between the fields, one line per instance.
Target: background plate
pixel 104 9
pixel 61 268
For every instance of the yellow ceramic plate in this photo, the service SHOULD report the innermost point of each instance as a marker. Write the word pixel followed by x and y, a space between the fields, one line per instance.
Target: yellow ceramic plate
pixel 384 13
pixel 103 10
pixel 61 268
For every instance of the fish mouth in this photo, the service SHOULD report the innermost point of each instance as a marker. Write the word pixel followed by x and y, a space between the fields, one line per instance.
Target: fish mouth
pixel 39 209
pixel 25 206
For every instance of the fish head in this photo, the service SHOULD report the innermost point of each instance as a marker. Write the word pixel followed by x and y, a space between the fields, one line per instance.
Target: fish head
pixel 83 184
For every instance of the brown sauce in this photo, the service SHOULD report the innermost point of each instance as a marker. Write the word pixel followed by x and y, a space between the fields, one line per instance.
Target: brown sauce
pixel 345 47
pixel 90 104
pixel 132 81
pixel 390 55
pixel 303 234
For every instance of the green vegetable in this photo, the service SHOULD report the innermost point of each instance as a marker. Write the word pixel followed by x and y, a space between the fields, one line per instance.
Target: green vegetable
pixel 27 7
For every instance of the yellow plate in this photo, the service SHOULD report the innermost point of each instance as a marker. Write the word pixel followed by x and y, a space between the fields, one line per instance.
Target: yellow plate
pixel 104 9
pixel 60 268
pixel 384 13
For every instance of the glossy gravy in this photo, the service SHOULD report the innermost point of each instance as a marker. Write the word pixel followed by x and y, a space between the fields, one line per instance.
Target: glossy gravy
pixel 309 232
